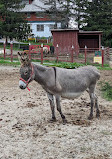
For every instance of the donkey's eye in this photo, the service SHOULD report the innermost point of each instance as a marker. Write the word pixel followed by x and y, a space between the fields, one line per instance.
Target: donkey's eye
pixel 25 73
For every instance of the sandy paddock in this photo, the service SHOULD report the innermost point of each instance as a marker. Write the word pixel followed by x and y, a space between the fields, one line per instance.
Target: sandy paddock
pixel 26 133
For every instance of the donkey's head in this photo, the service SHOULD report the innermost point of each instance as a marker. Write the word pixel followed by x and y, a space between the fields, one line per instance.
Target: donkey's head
pixel 26 70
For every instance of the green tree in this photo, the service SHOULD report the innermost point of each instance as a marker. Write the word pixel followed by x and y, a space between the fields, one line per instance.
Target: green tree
pixel 98 16
pixel 13 23
pixel 58 11
pixel 80 6
pixel 67 7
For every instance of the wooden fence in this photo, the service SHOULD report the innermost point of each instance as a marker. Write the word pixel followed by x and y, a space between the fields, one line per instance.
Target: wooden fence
pixel 36 52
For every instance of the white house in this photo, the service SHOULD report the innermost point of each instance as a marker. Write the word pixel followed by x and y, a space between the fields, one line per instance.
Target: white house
pixel 39 23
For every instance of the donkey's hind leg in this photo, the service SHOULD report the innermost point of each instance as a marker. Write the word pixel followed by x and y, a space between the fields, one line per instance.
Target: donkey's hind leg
pixel 94 100
pixel 91 94
pixel 97 107
pixel 92 104
pixel 52 105
pixel 59 108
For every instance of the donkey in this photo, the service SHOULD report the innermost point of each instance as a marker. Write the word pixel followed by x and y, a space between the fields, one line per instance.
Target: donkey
pixel 60 82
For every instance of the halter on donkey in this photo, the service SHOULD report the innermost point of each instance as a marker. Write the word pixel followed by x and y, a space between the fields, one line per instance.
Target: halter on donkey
pixel 29 79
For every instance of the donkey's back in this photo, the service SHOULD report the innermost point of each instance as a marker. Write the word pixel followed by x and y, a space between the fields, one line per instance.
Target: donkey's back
pixel 73 82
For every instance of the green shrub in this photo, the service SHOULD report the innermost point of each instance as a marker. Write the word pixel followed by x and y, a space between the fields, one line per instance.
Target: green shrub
pixel 66 65
pixel 106 89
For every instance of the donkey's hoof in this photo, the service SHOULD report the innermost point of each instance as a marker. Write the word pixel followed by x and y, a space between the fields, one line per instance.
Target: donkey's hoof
pixel 98 115
pixel 64 121
pixel 52 120
pixel 90 117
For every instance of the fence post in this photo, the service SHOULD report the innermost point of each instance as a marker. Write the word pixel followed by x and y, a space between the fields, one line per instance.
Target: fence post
pixel 85 54
pixel 4 50
pixel 57 46
pixel 11 46
pixel 29 51
pixel 102 56
pixel 41 53
pixel 72 59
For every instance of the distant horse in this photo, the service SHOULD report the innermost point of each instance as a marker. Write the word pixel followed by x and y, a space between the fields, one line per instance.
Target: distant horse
pixel 45 50
pixel 60 82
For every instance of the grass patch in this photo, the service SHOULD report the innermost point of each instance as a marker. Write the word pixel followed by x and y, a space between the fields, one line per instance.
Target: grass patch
pixel 8 63
pixel 67 65
pixel 106 89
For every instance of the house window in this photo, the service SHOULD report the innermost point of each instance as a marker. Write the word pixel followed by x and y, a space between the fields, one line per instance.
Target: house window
pixel 51 26
pixel 39 15
pixel 40 27
pixel 47 3
pixel 28 15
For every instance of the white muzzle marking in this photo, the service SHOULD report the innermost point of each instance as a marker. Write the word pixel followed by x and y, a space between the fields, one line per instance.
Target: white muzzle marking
pixel 22 85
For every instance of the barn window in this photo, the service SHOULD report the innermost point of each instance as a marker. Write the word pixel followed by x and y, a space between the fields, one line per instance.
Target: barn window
pixel 40 27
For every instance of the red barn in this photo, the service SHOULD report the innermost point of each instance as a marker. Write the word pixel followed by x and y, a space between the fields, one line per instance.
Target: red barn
pixel 68 38
pixel 65 38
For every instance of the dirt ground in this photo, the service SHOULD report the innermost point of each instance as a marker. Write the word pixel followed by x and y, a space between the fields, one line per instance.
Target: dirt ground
pixel 26 133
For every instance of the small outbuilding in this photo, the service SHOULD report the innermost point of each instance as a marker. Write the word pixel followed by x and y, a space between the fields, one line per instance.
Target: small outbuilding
pixel 92 39
pixel 66 39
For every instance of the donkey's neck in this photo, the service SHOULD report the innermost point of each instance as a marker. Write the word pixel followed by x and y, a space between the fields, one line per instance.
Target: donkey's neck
pixel 40 73
pixel 40 67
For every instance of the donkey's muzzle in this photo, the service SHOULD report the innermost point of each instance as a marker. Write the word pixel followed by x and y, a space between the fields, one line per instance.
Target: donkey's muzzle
pixel 22 85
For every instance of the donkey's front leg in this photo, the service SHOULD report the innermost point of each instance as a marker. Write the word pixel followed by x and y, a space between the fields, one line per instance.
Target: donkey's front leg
pixel 52 105
pixel 59 108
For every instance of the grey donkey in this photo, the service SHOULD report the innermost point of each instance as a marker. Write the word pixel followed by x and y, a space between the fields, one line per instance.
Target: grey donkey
pixel 60 82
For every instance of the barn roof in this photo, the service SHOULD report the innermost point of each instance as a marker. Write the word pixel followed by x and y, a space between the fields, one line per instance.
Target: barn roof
pixel 57 30
pixel 80 31
pixel 89 32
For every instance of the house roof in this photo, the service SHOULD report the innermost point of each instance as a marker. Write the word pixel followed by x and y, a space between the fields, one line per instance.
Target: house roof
pixel 35 6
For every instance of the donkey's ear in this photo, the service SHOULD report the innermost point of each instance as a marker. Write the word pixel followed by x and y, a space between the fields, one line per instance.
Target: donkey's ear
pixel 19 56
pixel 23 58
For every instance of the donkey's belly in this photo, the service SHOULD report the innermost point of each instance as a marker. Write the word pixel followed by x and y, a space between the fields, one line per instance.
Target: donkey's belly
pixel 71 95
